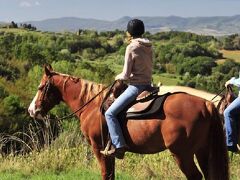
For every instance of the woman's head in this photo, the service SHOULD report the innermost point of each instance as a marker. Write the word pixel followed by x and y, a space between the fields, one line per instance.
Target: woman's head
pixel 135 28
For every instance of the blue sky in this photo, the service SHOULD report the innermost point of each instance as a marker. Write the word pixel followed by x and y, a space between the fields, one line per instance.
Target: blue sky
pixel 25 10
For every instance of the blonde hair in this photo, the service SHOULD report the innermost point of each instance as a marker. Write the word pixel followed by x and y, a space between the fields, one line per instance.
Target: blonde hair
pixel 129 37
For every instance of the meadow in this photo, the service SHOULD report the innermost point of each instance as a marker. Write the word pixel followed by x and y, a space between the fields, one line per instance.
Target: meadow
pixel 231 54
pixel 70 157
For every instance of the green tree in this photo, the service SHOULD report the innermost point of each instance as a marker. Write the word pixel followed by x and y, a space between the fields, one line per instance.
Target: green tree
pixel 12 105
pixel 198 65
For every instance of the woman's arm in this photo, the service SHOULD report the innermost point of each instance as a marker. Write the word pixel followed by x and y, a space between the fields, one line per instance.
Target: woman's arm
pixel 127 68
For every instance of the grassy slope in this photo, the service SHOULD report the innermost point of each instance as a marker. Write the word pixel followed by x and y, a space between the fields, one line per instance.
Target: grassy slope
pixel 235 55
pixel 64 164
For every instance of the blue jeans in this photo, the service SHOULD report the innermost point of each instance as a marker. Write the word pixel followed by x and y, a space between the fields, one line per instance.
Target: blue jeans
pixel 127 97
pixel 230 117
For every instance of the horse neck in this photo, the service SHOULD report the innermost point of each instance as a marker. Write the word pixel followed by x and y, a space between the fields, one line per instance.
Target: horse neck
pixel 77 92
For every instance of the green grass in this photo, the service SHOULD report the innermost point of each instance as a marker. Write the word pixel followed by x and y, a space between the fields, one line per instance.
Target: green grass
pixel 70 175
pixel 166 79
pixel 70 157
pixel 76 163
pixel 73 174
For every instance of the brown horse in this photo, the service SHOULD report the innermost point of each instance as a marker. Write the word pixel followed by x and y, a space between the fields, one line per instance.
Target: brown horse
pixel 188 126
pixel 225 101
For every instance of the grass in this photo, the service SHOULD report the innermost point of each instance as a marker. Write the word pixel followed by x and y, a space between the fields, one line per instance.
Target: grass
pixel 166 79
pixel 234 55
pixel 73 174
pixel 70 157
pixel 76 163
pixel 70 175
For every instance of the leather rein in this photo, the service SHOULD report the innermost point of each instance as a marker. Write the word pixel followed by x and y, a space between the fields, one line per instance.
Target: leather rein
pixel 46 88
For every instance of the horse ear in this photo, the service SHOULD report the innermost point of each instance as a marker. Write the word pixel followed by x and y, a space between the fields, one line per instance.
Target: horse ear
pixel 48 69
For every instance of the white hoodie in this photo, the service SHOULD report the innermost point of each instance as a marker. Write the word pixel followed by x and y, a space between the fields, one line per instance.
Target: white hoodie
pixel 138 62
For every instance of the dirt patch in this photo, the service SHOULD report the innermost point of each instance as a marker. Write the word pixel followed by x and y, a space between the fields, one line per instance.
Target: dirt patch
pixel 199 93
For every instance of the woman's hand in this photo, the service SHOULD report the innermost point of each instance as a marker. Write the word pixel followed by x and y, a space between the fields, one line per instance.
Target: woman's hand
pixel 119 77
pixel 227 83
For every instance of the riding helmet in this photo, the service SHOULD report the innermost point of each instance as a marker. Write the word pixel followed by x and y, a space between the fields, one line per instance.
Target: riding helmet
pixel 135 27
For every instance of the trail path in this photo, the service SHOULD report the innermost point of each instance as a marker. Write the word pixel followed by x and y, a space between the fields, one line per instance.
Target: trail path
pixel 200 93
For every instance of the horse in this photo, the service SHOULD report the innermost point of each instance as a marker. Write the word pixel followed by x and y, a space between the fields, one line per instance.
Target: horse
pixel 224 102
pixel 188 125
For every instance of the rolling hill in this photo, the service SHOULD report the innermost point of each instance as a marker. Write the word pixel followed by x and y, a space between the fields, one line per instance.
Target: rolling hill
pixel 218 25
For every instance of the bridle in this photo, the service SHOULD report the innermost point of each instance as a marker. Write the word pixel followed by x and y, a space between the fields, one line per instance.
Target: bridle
pixel 46 88
pixel 45 91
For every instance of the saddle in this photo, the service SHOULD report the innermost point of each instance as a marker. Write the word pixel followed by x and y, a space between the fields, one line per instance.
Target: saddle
pixel 145 105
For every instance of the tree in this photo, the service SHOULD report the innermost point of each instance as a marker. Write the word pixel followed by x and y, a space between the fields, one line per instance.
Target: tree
pixel 13 25
pixel 12 105
pixel 197 65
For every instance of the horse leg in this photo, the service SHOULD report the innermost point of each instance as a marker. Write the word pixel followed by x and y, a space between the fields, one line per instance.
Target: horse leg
pixel 107 165
pixel 202 157
pixel 186 164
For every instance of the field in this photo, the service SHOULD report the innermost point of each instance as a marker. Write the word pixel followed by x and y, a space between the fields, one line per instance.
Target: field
pixel 79 163
pixel 234 55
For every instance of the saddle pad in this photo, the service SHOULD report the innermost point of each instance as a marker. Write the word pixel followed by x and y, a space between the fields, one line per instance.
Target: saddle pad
pixel 155 106
pixel 140 106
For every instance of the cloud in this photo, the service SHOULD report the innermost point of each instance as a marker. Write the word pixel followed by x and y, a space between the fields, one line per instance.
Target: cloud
pixel 37 3
pixel 28 4
pixel 25 4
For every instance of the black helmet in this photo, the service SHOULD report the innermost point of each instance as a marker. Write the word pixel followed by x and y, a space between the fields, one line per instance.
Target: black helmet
pixel 135 27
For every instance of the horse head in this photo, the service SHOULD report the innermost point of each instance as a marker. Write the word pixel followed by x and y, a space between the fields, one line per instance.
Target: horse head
pixel 47 95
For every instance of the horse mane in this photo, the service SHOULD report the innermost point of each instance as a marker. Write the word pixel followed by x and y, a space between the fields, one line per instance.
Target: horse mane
pixel 88 89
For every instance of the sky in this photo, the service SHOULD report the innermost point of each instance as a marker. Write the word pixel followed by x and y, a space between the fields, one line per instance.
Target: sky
pixel 28 10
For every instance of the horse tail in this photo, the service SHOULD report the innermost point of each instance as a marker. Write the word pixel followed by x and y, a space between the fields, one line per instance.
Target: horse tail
pixel 218 155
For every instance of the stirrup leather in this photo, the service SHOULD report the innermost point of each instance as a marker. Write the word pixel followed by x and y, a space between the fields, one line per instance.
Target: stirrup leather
pixel 107 148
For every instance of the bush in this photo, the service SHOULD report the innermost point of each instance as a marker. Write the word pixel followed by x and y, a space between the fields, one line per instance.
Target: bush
pixel 12 105
pixel 3 92
pixel 198 65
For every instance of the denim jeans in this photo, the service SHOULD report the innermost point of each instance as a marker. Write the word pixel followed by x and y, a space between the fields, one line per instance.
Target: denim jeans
pixel 127 97
pixel 230 117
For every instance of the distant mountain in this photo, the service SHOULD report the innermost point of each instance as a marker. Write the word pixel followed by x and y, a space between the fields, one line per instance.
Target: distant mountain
pixel 219 25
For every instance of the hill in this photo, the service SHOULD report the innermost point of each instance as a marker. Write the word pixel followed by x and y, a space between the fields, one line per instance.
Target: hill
pixel 218 25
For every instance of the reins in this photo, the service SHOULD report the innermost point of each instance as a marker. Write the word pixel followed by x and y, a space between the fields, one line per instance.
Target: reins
pixel 218 94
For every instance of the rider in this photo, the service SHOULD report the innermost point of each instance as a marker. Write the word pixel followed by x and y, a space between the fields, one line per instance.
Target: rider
pixel 138 70
pixel 230 115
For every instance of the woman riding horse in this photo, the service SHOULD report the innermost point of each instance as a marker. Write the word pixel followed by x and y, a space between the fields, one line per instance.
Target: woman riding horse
pixel 138 70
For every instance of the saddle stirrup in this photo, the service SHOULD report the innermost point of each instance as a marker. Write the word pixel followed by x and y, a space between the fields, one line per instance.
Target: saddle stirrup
pixel 107 148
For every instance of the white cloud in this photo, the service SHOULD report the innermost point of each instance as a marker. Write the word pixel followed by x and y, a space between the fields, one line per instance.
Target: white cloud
pixel 28 3
pixel 37 3
pixel 25 4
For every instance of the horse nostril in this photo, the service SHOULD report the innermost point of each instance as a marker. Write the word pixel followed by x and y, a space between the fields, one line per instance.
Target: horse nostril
pixel 30 112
